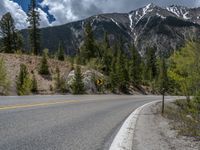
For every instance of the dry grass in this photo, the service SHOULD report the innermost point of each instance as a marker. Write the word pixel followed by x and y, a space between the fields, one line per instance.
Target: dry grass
pixel 185 119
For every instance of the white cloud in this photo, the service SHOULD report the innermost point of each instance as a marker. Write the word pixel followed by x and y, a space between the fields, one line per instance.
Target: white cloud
pixel 65 11
pixel 61 10
pixel 70 10
pixel 19 15
pixel 16 11
pixel 44 19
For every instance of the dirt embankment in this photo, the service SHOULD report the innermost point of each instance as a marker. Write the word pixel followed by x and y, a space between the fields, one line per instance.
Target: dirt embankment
pixel 13 62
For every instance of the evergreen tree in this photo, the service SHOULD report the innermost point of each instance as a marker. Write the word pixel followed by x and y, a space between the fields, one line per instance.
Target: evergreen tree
pixel 61 53
pixel 23 81
pixel 151 66
pixel 44 67
pixel 106 40
pixel 60 82
pixel 12 40
pixel 163 79
pixel 113 75
pixel 34 85
pixel 107 55
pixel 135 71
pixel 4 83
pixel 122 71
pixel 34 21
pixel 78 85
pixel 88 50
pixel 58 79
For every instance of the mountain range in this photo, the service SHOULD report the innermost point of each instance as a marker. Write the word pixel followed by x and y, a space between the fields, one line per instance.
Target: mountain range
pixel 151 26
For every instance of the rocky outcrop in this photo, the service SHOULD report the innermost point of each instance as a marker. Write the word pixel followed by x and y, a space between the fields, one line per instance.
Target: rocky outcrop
pixel 89 80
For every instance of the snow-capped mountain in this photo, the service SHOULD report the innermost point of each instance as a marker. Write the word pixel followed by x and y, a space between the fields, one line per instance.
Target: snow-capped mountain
pixel 149 26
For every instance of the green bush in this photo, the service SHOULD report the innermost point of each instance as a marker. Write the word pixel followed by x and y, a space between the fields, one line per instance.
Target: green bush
pixel 60 82
pixel 196 102
pixel 34 85
pixel 24 83
pixel 61 53
pixel 4 82
pixel 44 67
pixel 78 85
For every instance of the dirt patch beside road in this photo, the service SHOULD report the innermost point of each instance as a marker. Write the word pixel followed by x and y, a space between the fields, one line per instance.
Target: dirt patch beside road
pixel 154 132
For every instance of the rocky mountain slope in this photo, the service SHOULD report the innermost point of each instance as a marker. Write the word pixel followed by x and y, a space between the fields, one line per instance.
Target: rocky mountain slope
pixel 150 26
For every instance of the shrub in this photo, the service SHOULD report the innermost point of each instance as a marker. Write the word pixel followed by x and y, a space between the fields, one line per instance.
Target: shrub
pixel 24 83
pixel 34 85
pixel 78 85
pixel 4 82
pixel 44 67
pixel 60 82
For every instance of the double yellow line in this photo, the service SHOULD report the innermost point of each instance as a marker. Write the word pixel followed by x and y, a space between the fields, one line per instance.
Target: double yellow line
pixel 36 104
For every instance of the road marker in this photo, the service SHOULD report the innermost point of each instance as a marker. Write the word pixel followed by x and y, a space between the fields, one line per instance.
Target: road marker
pixel 99 82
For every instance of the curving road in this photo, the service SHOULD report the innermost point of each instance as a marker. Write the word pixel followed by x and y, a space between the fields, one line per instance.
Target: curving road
pixel 64 122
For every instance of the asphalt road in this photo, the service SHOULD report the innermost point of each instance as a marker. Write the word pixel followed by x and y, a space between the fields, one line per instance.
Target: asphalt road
pixel 64 122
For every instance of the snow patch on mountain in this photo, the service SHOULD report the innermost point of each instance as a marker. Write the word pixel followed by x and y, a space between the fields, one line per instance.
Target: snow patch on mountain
pixel 131 21
pixel 161 16
pixel 179 11
pixel 145 10
pixel 185 16
pixel 95 18
pixel 174 10
pixel 115 22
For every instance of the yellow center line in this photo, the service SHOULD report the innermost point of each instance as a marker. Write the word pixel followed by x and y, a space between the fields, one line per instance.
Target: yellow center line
pixel 36 104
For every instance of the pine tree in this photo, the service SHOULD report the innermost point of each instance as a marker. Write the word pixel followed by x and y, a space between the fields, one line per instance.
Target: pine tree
pixel 106 40
pixel 78 85
pixel 34 85
pixel 12 40
pixel 135 67
pixel 23 81
pixel 88 50
pixel 107 55
pixel 113 76
pixel 44 67
pixel 60 82
pixel 34 21
pixel 151 64
pixel 4 82
pixel 122 71
pixel 58 79
pixel 163 78
pixel 61 53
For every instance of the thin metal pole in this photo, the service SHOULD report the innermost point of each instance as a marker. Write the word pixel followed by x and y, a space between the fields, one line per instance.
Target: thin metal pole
pixel 163 102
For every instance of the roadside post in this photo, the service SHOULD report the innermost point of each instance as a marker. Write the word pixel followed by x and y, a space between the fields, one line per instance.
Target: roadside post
pixel 163 100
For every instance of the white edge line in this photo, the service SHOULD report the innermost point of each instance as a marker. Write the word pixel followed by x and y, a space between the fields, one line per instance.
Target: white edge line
pixel 124 138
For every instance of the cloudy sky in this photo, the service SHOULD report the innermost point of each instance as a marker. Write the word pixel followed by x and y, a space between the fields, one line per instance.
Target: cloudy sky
pixel 56 12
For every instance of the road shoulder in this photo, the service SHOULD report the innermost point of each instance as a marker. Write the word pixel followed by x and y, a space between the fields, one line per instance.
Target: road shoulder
pixel 153 132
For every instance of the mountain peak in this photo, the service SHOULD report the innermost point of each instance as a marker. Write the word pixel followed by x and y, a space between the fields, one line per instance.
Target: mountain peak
pixel 151 5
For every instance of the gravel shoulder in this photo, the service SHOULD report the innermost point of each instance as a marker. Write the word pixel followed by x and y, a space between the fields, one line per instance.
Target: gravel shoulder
pixel 153 132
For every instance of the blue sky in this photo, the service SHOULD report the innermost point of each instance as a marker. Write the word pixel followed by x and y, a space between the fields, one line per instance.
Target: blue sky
pixel 56 12
pixel 25 4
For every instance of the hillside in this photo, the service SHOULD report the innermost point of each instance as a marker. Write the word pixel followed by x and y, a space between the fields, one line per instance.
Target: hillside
pixel 149 26
pixel 47 84
pixel 13 61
